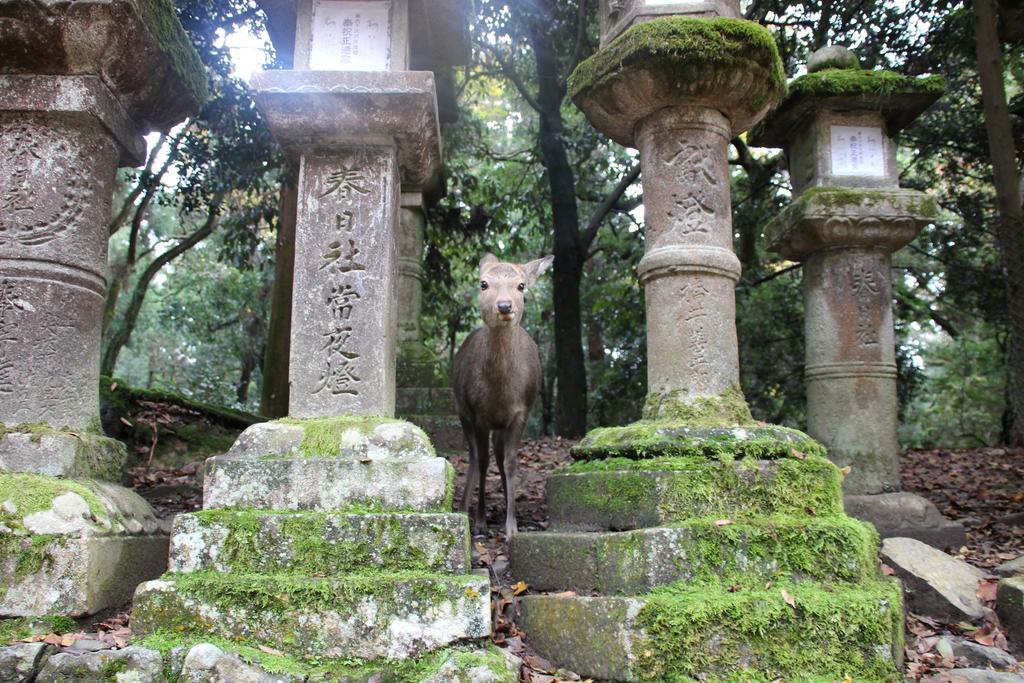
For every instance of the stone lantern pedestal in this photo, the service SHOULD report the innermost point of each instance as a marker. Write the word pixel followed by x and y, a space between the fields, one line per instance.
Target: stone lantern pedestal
pixel 847 218
pixel 714 544
pixel 329 535
pixel 80 83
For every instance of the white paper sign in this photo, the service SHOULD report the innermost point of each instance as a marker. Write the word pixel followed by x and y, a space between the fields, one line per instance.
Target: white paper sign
pixel 858 151
pixel 351 36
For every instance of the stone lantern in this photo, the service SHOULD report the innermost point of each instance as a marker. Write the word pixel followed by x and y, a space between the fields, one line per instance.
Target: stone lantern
pixel 80 84
pixel 683 529
pixel 847 218
pixel 346 510
pixel 619 15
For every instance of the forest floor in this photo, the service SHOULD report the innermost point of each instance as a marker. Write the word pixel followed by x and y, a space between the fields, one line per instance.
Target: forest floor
pixel 983 488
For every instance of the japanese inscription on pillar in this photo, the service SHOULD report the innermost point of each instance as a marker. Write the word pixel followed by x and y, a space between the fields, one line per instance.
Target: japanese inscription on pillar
pixel 695 200
pixel 867 286
pixel 857 151
pixel 10 304
pixel 695 314
pixel 351 36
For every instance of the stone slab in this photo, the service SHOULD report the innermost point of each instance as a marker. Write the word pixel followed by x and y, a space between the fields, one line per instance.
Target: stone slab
pixel 700 635
pixel 907 515
pixel 328 484
pixel 937 585
pixel 618 15
pixel 675 490
pixel 372 616
pixel 635 562
pixel 76 576
pixel 646 440
pixel 345 438
pixel 20 663
pixel 1011 568
pixel 1010 608
pixel 135 664
pixel 63 454
pixel 978 676
pixel 319 544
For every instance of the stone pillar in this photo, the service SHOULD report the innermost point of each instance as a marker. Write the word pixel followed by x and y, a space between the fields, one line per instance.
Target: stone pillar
pixel 351 510
pixel 847 218
pixel 681 497
pixel 79 85
pixel 410 269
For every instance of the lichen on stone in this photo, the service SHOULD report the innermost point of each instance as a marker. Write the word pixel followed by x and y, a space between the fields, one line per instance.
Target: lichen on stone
pixel 726 409
pixel 162 21
pixel 323 436
pixel 706 43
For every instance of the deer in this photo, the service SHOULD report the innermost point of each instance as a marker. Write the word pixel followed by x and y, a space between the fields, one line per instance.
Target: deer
pixel 496 379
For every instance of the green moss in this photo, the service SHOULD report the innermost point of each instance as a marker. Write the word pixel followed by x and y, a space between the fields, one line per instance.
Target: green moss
pixel 113 668
pixel 671 439
pixel 727 409
pixel 322 436
pixel 829 633
pixel 860 82
pixel 623 489
pixel 162 21
pixel 678 42
pixel 840 197
pixel 35 492
pixel 12 630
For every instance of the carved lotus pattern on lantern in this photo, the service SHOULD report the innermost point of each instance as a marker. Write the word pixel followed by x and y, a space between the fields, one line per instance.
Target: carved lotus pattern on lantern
pixel 27 217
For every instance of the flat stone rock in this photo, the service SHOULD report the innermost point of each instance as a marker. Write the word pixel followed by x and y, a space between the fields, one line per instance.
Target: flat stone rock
pixel 977 654
pixel 423 484
pixel 134 664
pixel 658 492
pixel 976 676
pixel 634 562
pixel 906 515
pixel 1011 568
pixel 22 662
pixel 206 663
pixel 372 616
pixel 611 638
pixel 322 544
pixel 937 585
pixel 1010 608
pixel 62 454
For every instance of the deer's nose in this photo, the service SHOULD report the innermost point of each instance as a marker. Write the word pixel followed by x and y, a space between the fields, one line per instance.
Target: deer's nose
pixel 504 307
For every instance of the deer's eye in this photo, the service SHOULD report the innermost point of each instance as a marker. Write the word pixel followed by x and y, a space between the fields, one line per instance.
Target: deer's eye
pixel 522 287
pixel 483 286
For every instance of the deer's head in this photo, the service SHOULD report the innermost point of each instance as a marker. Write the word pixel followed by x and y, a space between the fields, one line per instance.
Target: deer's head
pixel 503 286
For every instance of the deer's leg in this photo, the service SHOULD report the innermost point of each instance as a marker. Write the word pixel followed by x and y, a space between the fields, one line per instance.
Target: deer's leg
pixel 483 451
pixel 509 464
pixel 499 458
pixel 474 466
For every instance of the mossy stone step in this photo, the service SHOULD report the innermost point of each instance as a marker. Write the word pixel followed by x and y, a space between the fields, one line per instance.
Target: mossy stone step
pixel 421 484
pixel 835 548
pixel 370 616
pixel 319 543
pixel 704 632
pixel 623 494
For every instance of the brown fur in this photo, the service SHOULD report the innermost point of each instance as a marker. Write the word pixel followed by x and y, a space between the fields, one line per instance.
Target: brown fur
pixel 496 378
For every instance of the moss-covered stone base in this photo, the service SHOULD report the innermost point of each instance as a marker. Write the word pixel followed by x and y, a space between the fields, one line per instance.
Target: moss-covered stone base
pixel 620 494
pixel 371 616
pixel 745 633
pixel 834 548
pixel 41 449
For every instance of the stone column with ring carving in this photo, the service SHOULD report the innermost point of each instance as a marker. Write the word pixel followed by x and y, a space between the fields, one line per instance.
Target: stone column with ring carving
pixel 80 83
pixel 848 216
pixel 689 525
pixel 339 516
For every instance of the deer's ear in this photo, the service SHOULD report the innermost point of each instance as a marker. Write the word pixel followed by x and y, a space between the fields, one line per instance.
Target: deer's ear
pixel 534 269
pixel 487 260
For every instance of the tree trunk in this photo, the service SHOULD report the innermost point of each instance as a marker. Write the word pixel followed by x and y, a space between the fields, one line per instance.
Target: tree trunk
pixel 274 397
pixel 1010 234
pixel 571 382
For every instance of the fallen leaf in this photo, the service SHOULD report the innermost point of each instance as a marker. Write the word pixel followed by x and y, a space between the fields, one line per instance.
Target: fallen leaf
pixel 887 570
pixel 723 522
pixel 270 651
pixel 797 454
pixel 846 471
pixel 519 588
pixel 987 590
pixel 788 598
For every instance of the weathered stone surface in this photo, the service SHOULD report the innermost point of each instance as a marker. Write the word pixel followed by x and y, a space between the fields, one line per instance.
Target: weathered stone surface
pixel 61 454
pixel 907 515
pixel 322 544
pixel 134 664
pixel 206 663
pixel 484 666
pixel 421 484
pixel 73 547
pixel 1010 608
pixel 977 676
pixel 1011 568
pixel 980 655
pixel 832 57
pixel 937 585
pixel 21 663
pixel 344 438
pixel 634 562
pixel 702 632
pixel 372 616
pixel 618 16
pixel 672 491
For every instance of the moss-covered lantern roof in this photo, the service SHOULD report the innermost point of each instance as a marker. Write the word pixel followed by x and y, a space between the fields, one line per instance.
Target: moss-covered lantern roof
pixel 731 65
pixel 899 99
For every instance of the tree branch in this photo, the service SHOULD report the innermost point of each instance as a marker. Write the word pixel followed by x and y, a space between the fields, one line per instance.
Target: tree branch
pixel 512 75
pixel 601 212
